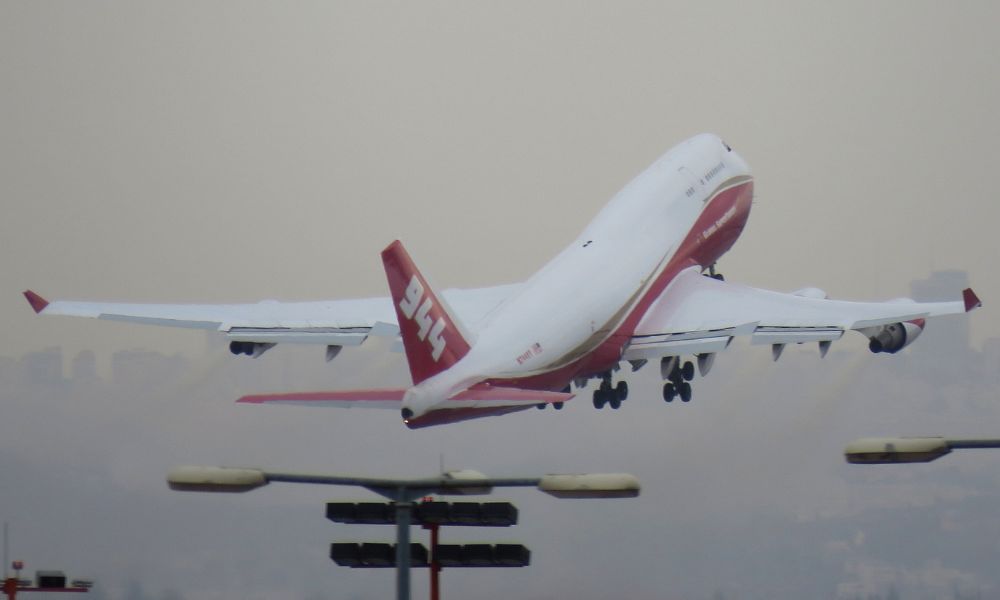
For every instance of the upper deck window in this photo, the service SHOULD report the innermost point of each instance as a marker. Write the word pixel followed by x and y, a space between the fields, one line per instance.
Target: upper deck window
pixel 714 171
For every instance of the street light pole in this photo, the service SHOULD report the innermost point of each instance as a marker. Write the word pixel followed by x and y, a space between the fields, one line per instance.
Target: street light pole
pixel 404 507
pixel 435 566
pixel 404 491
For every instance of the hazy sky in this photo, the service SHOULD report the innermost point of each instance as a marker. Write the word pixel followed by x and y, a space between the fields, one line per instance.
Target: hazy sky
pixel 235 151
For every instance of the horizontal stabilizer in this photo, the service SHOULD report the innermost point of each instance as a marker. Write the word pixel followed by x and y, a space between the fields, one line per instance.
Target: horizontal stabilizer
pixel 479 396
pixel 382 398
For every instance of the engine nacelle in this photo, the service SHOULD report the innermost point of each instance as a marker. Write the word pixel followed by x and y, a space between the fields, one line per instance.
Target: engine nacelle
pixel 893 338
pixel 252 349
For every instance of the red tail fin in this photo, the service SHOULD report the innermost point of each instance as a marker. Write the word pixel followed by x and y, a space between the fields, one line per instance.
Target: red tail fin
pixel 431 336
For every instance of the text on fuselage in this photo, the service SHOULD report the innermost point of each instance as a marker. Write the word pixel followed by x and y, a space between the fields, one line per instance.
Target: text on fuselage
pixel 535 350
pixel 719 223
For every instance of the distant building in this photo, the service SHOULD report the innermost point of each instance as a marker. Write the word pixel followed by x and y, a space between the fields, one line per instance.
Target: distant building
pixel 943 354
pixel 991 358
pixel 85 367
pixel 949 335
pixel 8 368
pixel 43 367
pixel 144 367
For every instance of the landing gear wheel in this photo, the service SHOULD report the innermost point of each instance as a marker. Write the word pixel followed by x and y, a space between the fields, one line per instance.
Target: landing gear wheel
pixel 687 371
pixel 621 391
pixel 540 406
pixel 677 374
pixel 669 391
pixel 614 403
pixel 557 405
pixel 598 399
pixel 684 390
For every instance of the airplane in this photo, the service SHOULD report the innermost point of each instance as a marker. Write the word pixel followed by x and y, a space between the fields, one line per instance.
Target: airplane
pixel 491 351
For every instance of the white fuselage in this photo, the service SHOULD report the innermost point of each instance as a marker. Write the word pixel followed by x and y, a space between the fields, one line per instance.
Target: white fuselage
pixel 573 303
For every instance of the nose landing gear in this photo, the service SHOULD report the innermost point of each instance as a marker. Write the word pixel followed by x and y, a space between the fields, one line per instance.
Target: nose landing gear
pixel 713 274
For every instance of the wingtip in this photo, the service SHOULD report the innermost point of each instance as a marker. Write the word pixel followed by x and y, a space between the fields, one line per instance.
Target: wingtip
pixel 971 299
pixel 37 302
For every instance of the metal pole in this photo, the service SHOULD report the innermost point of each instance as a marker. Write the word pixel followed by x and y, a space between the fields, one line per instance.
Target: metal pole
pixel 403 509
pixel 435 567
pixel 967 443
pixel 9 587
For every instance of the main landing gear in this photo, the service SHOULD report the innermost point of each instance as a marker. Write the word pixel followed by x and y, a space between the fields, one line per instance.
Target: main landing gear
pixel 612 396
pixel 555 405
pixel 677 376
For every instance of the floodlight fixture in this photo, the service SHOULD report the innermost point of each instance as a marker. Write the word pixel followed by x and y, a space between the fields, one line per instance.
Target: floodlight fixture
pixel 875 451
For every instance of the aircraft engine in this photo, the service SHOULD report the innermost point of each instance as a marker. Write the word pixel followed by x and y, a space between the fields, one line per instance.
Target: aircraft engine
pixel 253 349
pixel 893 338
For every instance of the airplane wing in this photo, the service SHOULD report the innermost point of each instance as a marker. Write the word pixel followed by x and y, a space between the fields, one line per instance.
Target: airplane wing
pixel 700 315
pixel 261 325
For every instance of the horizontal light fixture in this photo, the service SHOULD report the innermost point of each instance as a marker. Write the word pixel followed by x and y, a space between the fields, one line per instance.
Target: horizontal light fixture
pixel 590 485
pixel 215 479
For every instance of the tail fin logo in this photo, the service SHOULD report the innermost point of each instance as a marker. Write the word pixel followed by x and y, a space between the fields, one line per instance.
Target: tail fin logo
pixel 412 309
pixel 432 337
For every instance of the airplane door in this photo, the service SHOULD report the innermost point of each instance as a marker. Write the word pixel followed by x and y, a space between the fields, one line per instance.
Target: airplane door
pixel 688 177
